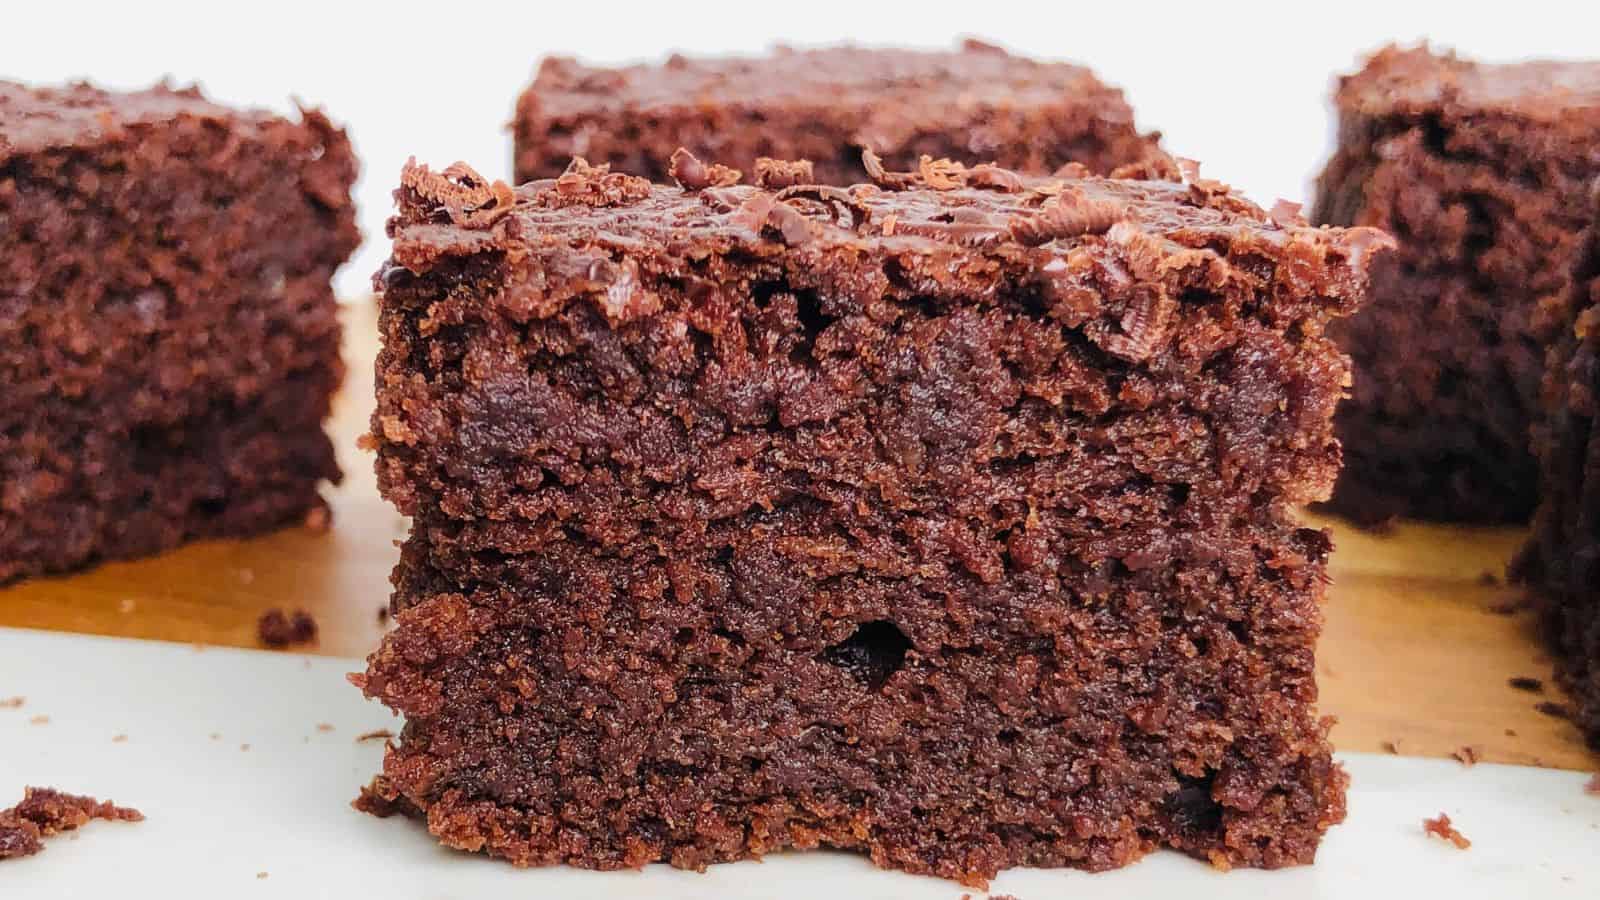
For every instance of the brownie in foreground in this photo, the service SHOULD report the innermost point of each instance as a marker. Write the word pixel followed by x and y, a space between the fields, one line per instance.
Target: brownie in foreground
pixel 945 518
pixel 168 334
pixel 1480 173
pixel 978 104
pixel 1562 559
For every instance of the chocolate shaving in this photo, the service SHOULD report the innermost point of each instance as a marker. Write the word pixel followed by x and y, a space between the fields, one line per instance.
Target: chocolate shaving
pixel 941 175
pixel 792 224
pixel 1069 213
pixel 775 174
pixel 693 175
pixel 458 195
pixel 585 185
pixel 278 629
pixel 1286 214
pixel 835 199
pixel 752 213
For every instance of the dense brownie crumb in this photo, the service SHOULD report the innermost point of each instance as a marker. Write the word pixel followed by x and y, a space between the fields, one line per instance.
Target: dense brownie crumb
pixel 45 812
pixel 1441 828
pixel 973 105
pixel 169 341
pixel 278 629
pixel 948 519
pixel 1561 561
pixel 1480 172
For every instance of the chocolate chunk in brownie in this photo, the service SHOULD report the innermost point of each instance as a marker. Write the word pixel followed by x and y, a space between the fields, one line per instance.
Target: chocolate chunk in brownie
pixel 168 334
pixel 1480 172
pixel 976 104
pixel 947 519
pixel 1561 561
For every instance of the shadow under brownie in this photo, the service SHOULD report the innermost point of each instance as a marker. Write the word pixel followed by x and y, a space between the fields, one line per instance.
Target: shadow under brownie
pixel 168 337
pixel 978 104
pixel 1480 172
pixel 946 519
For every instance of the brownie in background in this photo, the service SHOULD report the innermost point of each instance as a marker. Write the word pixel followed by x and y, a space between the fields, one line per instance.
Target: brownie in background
pixel 947 519
pixel 168 336
pixel 1562 559
pixel 1480 172
pixel 977 104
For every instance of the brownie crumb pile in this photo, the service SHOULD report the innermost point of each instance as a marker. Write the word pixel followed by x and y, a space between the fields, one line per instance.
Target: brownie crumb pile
pixel 46 812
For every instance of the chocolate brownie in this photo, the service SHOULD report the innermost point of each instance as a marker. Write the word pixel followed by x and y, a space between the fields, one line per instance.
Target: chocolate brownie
pixel 1561 561
pixel 1479 171
pixel 978 104
pixel 168 334
pixel 46 812
pixel 946 518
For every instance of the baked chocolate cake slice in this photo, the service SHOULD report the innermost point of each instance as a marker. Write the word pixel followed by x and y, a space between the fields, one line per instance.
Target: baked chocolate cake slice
pixel 977 104
pixel 168 335
pixel 1479 171
pixel 1561 561
pixel 945 518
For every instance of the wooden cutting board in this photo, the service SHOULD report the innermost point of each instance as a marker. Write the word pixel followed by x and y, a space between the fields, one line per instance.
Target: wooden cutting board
pixel 1417 658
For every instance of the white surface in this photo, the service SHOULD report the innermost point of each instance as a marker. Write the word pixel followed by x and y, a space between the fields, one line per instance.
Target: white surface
pixel 218 814
pixel 1243 87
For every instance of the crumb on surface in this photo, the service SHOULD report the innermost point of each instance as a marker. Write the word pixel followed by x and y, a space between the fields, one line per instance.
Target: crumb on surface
pixel 1442 828
pixel 324 727
pixel 1488 578
pixel 1509 606
pixel 45 812
pixel 39 720
pixel 382 734
pixel 383 614
pixel 261 876
pixel 1511 732
pixel 318 519
pixel 12 702
pixel 126 605
pixel 1524 683
pixel 119 739
pixel 244 748
pixel 1593 787
pixel 278 629
pixel 1391 746
pixel 1467 755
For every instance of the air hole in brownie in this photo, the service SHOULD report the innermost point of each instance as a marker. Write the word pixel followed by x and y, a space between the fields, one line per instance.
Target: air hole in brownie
pixel 1239 630
pixel 210 507
pixel 723 556
pixel 1191 807
pixel 1201 645
pixel 808 307
pixel 1008 736
pixel 875 652
pixel 683 636
pixel 1179 493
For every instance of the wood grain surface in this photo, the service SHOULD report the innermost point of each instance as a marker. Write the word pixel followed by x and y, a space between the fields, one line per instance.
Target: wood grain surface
pixel 1418 656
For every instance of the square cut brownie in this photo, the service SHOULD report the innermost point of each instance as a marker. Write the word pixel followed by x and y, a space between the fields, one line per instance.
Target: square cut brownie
pixel 1479 171
pixel 1561 561
pixel 826 105
pixel 945 518
pixel 168 334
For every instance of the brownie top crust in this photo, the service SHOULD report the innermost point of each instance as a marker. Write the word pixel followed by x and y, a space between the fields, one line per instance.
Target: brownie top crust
pixel 35 119
pixel 1404 81
pixel 976 74
pixel 954 231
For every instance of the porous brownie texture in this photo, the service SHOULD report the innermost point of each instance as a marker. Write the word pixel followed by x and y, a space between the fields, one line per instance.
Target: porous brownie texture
pixel 1480 172
pixel 976 104
pixel 168 336
pixel 1561 561
pixel 945 518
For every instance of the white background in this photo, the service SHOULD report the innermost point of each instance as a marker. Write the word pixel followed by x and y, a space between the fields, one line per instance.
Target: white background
pixel 1242 87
